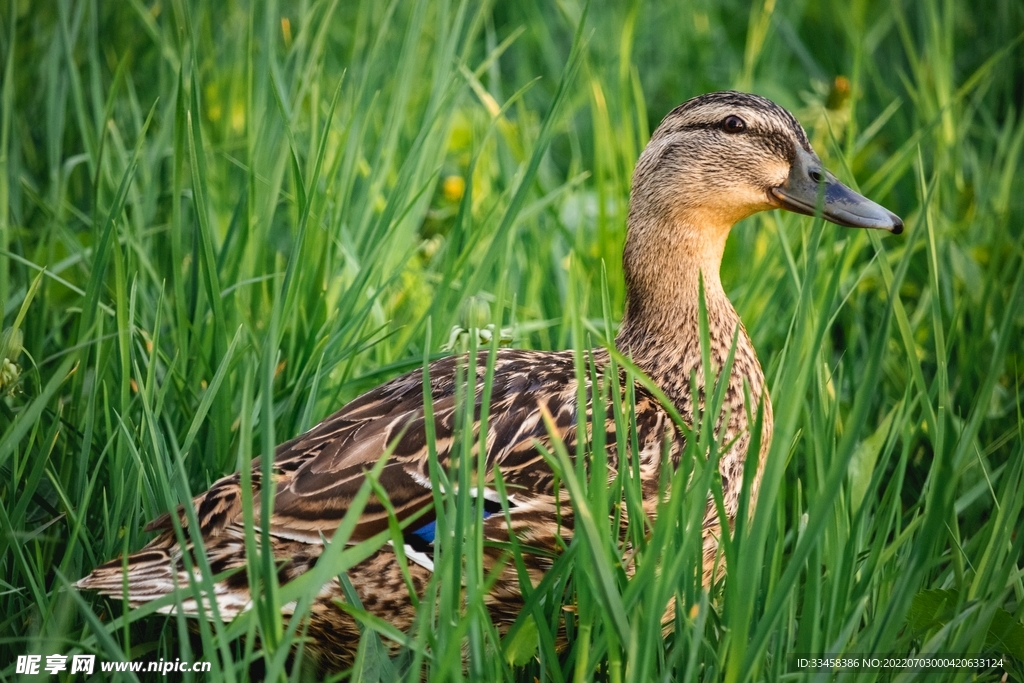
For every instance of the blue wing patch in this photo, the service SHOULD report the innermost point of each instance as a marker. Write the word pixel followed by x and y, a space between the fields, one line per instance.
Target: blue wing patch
pixel 426 532
pixel 422 537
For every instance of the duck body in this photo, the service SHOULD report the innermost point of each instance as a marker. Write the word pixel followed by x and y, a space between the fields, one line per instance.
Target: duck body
pixel 713 160
pixel 318 474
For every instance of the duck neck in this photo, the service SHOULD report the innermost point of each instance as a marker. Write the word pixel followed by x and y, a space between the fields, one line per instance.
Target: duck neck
pixel 660 328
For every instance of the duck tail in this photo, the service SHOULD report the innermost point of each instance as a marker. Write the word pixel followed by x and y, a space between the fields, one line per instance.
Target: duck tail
pixel 143 577
pixel 156 572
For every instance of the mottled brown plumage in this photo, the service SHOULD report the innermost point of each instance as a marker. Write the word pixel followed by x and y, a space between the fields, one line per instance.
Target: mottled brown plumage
pixel 714 160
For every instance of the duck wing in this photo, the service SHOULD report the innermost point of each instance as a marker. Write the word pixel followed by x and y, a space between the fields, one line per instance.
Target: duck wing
pixel 319 473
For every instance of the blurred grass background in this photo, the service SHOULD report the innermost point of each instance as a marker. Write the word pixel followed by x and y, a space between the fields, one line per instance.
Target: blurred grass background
pixel 221 221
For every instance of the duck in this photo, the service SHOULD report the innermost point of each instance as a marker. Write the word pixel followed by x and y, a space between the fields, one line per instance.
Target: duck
pixel 714 160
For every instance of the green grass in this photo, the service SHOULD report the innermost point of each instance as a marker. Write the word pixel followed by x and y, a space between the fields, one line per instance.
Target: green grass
pixel 219 223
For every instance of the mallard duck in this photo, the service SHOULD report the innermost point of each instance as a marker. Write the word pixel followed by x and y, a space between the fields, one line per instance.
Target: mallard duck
pixel 714 160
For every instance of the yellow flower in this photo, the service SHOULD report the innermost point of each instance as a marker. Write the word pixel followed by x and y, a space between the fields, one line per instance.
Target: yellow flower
pixel 838 94
pixel 453 187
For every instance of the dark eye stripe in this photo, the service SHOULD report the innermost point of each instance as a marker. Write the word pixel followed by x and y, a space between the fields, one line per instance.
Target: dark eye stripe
pixel 775 140
pixel 778 143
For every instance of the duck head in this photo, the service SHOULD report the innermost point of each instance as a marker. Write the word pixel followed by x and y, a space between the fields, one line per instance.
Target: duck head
pixel 721 157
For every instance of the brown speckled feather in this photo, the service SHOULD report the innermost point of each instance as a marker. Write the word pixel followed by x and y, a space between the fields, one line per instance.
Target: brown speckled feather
pixel 319 472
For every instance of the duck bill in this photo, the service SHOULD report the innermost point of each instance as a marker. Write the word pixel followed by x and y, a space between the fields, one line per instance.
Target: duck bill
pixel 803 193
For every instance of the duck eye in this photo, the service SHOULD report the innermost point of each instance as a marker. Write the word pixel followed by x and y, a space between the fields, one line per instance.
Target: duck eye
pixel 734 124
